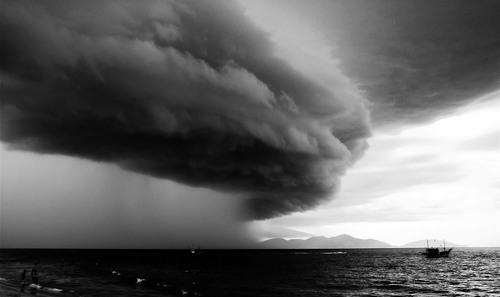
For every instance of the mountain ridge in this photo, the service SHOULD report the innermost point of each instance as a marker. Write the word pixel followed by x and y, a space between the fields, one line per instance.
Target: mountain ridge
pixel 340 241
pixel 344 241
pixel 432 243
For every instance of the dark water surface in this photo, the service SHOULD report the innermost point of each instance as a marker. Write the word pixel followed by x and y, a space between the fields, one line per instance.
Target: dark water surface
pixel 350 272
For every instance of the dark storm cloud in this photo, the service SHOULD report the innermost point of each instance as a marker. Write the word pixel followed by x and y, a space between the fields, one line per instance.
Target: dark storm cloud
pixel 414 59
pixel 189 91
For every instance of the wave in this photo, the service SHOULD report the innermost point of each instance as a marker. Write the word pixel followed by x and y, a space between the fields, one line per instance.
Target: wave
pixel 333 253
pixel 140 280
pixel 319 253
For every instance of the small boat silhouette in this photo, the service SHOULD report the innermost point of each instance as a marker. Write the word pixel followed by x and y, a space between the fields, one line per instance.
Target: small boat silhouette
pixel 432 252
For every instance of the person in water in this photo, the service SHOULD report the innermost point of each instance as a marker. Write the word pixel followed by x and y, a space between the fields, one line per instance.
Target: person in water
pixel 34 274
pixel 23 277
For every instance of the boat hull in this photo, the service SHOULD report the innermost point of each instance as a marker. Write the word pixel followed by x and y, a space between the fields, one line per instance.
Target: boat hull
pixel 435 253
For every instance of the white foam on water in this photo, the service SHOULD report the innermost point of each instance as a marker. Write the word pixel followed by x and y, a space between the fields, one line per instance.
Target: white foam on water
pixel 140 280
pixel 53 289
pixel 334 253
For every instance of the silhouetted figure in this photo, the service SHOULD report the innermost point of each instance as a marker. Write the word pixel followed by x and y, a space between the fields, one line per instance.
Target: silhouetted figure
pixel 34 274
pixel 23 277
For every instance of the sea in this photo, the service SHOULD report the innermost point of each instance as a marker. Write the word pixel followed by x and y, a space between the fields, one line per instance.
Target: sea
pixel 331 272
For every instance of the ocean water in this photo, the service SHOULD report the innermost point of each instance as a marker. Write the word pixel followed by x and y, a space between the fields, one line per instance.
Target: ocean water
pixel 350 272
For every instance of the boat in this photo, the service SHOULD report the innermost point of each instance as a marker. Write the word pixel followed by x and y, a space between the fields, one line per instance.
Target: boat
pixel 194 251
pixel 432 252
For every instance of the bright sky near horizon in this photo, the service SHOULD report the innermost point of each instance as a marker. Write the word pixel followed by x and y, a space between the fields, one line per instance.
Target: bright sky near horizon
pixel 435 179
pixel 221 123
pixel 438 180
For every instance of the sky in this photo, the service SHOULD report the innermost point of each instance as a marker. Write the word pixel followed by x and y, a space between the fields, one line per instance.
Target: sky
pixel 173 124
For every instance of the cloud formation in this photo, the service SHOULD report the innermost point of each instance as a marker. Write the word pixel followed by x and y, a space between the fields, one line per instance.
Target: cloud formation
pixel 415 60
pixel 189 91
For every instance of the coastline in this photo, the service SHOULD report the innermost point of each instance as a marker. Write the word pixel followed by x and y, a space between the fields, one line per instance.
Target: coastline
pixel 13 289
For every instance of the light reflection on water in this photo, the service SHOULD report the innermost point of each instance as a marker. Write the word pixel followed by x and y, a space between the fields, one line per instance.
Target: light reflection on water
pixel 356 272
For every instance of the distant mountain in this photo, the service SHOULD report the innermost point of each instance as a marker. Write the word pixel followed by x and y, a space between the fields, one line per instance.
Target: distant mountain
pixel 432 243
pixel 278 231
pixel 321 242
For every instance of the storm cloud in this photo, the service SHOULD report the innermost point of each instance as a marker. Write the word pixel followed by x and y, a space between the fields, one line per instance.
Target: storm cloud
pixel 415 60
pixel 190 91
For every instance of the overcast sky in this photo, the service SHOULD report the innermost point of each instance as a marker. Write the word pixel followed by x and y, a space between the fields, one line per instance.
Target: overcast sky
pixel 219 123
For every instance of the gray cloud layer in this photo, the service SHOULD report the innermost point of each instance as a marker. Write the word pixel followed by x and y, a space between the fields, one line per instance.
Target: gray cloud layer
pixel 414 59
pixel 189 91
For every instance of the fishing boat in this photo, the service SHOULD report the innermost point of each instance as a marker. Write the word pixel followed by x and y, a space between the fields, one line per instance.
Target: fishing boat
pixel 432 252
pixel 195 251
